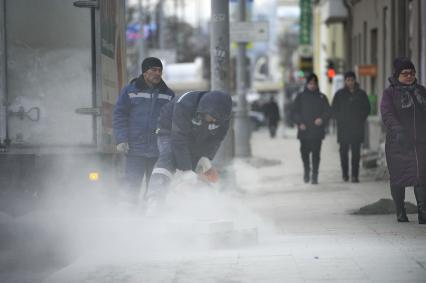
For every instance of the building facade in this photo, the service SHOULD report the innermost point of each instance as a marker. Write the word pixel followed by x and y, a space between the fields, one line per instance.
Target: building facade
pixel 380 31
pixel 329 20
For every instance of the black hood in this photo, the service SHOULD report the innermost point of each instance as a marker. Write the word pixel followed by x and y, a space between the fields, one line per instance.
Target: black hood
pixel 216 104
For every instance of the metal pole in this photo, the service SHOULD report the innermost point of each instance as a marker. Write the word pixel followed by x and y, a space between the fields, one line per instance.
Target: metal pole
pixel 219 50
pixel 142 45
pixel 162 29
pixel 242 123
pixel 219 45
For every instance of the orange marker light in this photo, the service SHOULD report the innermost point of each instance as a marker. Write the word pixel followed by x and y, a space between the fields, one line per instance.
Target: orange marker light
pixel 94 176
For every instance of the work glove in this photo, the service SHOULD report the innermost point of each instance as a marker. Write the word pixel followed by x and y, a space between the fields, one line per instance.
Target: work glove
pixel 203 165
pixel 123 147
pixel 206 171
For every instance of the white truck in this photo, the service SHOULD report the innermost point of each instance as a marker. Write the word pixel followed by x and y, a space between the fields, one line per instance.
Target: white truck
pixel 62 64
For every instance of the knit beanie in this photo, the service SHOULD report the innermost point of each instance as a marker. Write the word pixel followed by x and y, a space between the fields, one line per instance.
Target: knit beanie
pixel 150 62
pixel 402 63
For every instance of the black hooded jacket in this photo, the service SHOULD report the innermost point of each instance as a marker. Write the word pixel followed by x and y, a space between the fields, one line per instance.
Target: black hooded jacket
pixel 192 137
pixel 308 106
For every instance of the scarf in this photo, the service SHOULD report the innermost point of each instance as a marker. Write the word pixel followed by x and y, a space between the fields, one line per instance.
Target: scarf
pixel 408 92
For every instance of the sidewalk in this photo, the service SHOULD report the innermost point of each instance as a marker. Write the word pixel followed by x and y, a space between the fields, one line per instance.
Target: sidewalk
pixel 306 232
pixel 325 242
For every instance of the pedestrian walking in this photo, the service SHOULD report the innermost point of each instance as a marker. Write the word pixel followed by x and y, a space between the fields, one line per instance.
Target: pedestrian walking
pixel 311 112
pixel 190 131
pixel 403 110
pixel 350 109
pixel 135 121
pixel 272 114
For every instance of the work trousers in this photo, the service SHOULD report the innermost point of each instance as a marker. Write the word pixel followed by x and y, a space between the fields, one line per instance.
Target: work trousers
pixel 136 168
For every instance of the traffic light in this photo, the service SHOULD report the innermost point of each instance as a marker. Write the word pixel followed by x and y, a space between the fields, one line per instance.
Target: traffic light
pixel 331 72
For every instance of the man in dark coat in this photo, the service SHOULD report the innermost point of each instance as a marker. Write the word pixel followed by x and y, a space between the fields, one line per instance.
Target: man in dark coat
pixel 272 113
pixel 350 108
pixel 403 110
pixel 311 113
pixel 135 122
pixel 190 131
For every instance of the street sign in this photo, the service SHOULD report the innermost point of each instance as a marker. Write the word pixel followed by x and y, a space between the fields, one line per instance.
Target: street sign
pixel 305 32
pixel 249 31
pixel 367 70
pixel 305 50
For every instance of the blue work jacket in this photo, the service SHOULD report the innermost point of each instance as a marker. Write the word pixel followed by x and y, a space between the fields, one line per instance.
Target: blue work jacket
pixel 136 114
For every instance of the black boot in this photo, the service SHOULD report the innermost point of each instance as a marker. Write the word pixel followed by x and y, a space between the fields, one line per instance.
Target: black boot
pixel 314 179
pixel 315 163
pixel 315 168
pixel 306 175
pixel 420 193
pixel 398 195
pixel 306 162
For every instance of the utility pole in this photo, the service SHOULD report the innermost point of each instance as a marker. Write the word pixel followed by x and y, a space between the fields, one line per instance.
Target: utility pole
pixel 219 50
pixel 142 40
pixel 242 123
pixel 162 21
pixel 219 45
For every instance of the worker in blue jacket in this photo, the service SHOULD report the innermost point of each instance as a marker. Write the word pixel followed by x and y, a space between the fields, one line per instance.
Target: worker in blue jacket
pixel 190 130
pixel 135 119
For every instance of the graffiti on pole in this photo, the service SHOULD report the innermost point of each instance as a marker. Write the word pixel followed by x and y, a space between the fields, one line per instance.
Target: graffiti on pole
pixel 219 57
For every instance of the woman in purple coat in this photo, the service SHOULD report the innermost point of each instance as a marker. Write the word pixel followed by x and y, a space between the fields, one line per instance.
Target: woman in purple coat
pixel 403 110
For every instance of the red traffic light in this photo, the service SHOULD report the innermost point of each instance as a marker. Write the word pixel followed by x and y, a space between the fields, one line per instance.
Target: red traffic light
pixel 331 73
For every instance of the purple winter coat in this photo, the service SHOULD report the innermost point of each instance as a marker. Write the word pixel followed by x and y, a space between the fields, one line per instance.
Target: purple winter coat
pixel 404 113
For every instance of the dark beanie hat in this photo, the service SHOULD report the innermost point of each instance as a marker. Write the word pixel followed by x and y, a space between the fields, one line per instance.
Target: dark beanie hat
pixel 151 62
pixel 350 74
pixel 402 63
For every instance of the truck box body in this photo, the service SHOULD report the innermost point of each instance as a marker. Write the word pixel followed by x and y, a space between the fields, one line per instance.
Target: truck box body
pixel 61 67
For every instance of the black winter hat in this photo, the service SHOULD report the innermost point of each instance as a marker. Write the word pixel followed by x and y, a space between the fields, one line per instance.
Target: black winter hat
pixel 349 74
pixel 150 62
pixel 402 63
